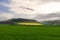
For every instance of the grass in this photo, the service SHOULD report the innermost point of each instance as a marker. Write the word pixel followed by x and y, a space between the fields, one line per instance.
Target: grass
pixel 21 32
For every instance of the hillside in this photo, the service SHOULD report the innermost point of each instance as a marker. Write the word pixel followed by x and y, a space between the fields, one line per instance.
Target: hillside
pixel 14 20
pixel 52 22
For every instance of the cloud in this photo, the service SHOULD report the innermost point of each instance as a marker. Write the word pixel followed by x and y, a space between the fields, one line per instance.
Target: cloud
pixel 5 16
pixel 47 8
pixel 51 0
pixel 28 8
pixel 4 9
pixel 38 6
pixel 52 16
pixel 22 8
pixel 4 0
pixel 16 6
pixel 27 16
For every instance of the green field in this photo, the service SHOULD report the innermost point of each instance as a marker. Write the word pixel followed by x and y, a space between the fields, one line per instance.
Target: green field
pixel 19 32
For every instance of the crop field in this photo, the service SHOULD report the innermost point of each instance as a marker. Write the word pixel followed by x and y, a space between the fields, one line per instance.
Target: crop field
pixel 21 32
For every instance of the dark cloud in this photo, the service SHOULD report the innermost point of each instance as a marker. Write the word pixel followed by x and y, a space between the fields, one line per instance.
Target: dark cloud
pixel 27 8
pixel 52 16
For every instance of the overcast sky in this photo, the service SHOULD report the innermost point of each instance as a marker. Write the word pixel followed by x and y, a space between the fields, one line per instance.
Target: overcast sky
pixel 27 8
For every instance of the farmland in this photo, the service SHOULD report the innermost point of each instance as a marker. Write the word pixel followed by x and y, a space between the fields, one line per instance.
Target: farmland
pixel 21 32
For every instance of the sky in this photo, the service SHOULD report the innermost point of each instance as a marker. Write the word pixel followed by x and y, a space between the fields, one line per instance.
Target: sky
pixel 29 9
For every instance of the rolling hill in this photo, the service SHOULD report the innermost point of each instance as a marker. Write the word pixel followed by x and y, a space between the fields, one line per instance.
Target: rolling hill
pixel 15 20
pixel 52 22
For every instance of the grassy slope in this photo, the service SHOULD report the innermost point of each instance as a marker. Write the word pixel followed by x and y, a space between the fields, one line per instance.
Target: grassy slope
pixel 13 32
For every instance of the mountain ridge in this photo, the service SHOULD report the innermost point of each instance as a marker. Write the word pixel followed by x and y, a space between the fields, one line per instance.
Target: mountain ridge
pixel 14 20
